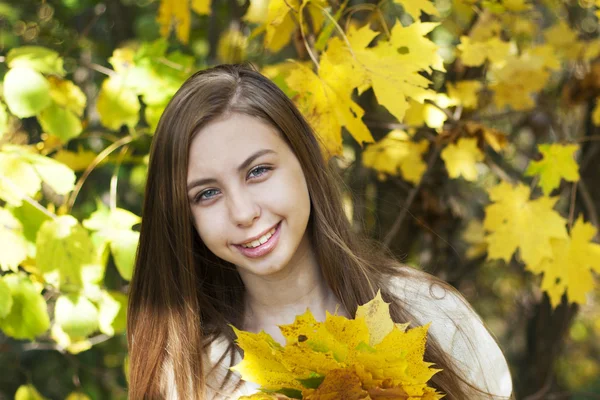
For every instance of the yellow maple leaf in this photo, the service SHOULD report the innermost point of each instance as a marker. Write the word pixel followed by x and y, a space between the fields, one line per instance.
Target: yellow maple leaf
pixel 516 222
pixel 557 163
pixel 396 154
pixel 520 77
pixel 415 7
pixel 335 358
pixel 476 53
pixel 377 316
pixel 177 14
pixel 569 270
pixel 465 92
pixel 338 384
pixel 461 158
pixel 326 102
pixel 282 20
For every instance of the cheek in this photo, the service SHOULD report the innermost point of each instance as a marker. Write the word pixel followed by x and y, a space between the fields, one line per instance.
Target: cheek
pixel 209 230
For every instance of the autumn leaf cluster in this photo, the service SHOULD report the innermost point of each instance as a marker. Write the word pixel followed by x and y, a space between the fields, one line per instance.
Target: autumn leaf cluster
pixel 368 357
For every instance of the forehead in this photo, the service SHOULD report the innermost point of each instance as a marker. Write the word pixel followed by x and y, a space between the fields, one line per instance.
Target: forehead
pixel 229 141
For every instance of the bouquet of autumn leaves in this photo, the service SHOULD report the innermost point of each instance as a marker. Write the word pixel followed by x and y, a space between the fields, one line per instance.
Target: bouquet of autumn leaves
pixel 368 357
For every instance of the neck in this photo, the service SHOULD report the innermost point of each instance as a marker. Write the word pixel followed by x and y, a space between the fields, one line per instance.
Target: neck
pixel 276 299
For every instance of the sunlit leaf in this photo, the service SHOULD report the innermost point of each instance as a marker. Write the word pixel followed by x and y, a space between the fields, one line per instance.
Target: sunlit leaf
pixel 6 300
pixel 516 222
pixel 112 313
pixel 28 316
pixel 13 248
pixel 569 270
pixel 26 92
pixel 117 104
pixel 397 154
pixel 76 315
pixel 28 392
pixel 37 58
pixel 63 248
pixel 557 163
pixel 461 158
pixel 60 122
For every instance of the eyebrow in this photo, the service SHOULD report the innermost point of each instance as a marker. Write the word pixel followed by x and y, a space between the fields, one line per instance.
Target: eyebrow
pixel 243 166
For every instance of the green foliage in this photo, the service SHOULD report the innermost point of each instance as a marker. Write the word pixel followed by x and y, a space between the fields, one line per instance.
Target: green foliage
pixel 28 316
pixel 26 92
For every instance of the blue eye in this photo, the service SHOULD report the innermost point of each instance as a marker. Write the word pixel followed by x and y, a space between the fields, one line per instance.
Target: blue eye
pixel 258 171
pixel 206 195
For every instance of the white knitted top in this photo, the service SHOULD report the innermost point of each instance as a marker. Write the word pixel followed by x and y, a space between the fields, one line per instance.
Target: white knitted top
pixel 472 347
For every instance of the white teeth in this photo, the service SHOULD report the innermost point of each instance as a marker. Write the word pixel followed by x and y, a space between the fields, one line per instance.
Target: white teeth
pixel 261 240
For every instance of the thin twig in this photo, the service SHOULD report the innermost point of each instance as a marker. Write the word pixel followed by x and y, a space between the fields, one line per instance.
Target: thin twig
pixel 103 154
pixel 410 199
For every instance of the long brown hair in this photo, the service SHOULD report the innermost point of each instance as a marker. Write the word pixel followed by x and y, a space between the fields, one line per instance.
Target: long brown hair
pixel 182 297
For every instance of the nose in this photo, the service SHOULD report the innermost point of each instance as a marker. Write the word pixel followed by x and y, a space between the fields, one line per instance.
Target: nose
pixel 243 209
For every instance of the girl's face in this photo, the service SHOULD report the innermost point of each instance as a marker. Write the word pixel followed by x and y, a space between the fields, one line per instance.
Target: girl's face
pixel 248 195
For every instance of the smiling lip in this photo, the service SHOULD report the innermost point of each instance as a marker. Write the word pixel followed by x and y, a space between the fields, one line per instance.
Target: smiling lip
pixel 264 248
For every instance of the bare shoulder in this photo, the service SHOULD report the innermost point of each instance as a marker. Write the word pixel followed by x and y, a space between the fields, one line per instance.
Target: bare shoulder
pixel 456 327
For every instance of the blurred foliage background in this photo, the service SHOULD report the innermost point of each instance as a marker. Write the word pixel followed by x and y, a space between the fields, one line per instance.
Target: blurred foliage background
pixel 485 121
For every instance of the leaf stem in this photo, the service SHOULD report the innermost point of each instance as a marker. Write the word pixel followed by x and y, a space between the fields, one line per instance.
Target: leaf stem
pixel 103 154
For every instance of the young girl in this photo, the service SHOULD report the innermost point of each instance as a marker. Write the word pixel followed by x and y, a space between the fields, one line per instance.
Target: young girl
pixel 243 225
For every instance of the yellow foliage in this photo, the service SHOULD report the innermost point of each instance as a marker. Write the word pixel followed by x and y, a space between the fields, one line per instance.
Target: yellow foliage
pixel 369 355
pixel 569 270
pixel 232 46
pixel 516 222
pixel 415 7
pixel 557 163
pixel 475 53
pixel 177 14
pixel 474 235
pixel 283 19
pixel 461 158
pixel 464 92
pixel 396 154
pixel 520 77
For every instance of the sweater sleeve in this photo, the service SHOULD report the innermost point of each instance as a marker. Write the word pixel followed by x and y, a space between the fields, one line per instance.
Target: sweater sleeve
pixel 459 331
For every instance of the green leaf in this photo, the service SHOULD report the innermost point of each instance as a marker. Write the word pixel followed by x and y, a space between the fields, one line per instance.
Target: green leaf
pixel 6 300
pixel 60 122
pixel 13 247
pixel 76 315
pixel 152 113
pixel 68 95
pixel 31 219
pixel 55 174
pixel 3 120
pixel 28 316
pixel 63 248
pixel 17 178
pixel 37 58
pixel 22 172
pixel 26 92
pixel 103 219
pixel 117 104
pixel 123 246
pixel 113 312
pixel 28 392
